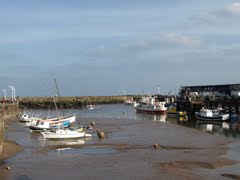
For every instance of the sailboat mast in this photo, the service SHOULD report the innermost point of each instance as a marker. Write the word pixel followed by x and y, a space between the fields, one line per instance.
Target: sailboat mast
pixel 59 95
pixel 55 104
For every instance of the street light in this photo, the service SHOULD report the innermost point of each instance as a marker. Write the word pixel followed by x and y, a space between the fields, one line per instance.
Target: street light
pixel 14 93
pixel 5 94
pixel 12 88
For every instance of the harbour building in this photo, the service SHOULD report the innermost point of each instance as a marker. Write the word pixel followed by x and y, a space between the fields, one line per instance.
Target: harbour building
pixel 224 90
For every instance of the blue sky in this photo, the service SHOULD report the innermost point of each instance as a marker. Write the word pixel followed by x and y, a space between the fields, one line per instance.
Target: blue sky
pixel 110 47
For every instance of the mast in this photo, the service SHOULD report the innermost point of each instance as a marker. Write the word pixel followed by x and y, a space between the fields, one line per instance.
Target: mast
pixel 55 104
pixel 59 95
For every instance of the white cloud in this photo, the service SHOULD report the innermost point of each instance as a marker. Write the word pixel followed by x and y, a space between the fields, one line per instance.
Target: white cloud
pixel 182 40
pixel 227 14
pixel 234 8
pixel 165 40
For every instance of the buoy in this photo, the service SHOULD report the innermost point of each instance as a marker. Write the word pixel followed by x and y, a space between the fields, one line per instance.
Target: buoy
pixel 89 127
pixel 155 146
pixel 93 123
pixel 100 133
pixel 8 168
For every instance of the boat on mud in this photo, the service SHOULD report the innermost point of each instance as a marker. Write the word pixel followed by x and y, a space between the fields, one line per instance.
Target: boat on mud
pixel 63 134
pixel 41 125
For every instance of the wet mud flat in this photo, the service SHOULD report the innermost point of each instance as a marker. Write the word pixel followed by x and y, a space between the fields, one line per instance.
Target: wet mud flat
pixel 131 150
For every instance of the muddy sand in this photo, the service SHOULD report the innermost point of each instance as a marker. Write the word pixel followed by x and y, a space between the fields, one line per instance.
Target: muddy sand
pixel 131 150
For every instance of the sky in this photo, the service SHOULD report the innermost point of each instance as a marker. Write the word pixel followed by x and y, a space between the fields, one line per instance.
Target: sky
pixel 112 47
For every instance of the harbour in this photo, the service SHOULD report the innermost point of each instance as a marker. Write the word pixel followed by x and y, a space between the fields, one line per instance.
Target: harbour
pixel 189 99
pixel 119 90
pixel 123 146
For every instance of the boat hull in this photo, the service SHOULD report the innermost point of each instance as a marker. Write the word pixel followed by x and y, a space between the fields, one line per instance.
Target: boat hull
pixel 150 111
pixel 47 125
pixel 63 135
pixel 176 113
pixel 212 118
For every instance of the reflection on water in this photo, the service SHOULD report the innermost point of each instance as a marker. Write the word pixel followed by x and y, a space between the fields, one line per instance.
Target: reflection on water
pixel 152 117
pixel 63 142
pixel 128 112
pixel 227 129
pixel 85 150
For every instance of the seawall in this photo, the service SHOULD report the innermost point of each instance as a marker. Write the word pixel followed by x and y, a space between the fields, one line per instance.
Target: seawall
pixel 7 111
pixel 69 101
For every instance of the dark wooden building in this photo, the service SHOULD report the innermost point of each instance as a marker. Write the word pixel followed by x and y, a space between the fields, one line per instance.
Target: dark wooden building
pixel 214 90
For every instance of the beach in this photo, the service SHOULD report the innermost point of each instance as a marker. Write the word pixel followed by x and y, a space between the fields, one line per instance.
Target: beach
pixel 130 150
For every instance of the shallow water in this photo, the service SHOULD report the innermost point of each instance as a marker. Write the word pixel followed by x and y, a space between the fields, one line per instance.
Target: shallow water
pixel 229 130
pixel 36 152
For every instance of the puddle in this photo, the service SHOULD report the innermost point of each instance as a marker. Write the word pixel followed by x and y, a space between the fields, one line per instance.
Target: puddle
pixel 87 150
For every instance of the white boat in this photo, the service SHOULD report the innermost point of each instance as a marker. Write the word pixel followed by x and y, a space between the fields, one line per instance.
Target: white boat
pixel 63 134
pixel 129 103
pixel 26 117
pixel 156 108
pixel 211 115
pixel 41 125
pixel 90 107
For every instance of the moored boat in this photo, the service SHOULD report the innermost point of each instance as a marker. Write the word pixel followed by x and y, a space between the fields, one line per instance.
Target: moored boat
pixel 174 112
pixel 41 125
pixel 26 117
pixel 63 134
pixel 211 115
pixel 156 108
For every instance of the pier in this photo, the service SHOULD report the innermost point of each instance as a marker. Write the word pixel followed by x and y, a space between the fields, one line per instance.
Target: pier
pixel 68 102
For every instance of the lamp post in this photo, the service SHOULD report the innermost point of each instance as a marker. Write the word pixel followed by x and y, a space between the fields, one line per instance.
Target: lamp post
pixel 12 88
pixel 5 94
pixel 14 93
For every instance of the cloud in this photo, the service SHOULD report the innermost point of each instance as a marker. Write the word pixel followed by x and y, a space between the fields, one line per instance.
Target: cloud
pixel 167 40
pixel 9 57
pixel 234 9
pixel 228 13
pixel 181 40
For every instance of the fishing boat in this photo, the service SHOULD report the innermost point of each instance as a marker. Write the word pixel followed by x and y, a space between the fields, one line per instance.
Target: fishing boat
pixel 211 115
pixel 156 108
pixel 63 134
pixel 174 112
